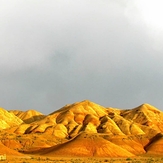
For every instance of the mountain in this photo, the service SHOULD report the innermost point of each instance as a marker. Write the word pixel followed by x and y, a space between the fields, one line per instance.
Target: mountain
pixel 89 129
pixel 28 116
pixel 88 145
pixel 8 151
pixel 87 116
pixel 8 119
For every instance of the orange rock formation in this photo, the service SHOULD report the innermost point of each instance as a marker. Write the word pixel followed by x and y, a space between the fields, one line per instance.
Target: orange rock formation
pixel 86 128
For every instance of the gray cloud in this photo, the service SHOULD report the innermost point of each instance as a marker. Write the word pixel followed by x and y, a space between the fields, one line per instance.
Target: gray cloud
pixel 59 52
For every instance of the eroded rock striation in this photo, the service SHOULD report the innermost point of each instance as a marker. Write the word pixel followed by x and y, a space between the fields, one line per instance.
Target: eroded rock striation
pixel 87 128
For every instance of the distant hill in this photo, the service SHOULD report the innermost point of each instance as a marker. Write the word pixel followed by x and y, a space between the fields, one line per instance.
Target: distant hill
pixel 28 116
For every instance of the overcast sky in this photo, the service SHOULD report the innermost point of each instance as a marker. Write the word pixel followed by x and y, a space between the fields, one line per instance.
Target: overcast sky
pixel 58 52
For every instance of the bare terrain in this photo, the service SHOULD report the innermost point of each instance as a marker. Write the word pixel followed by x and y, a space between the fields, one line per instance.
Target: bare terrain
pixel 83 132
pixel 41 159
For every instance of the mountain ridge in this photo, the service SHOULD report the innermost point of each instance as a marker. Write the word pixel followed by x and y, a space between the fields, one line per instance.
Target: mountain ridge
pixel 85 125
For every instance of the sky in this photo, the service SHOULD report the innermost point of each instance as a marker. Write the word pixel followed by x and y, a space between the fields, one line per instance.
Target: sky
pixel 58 52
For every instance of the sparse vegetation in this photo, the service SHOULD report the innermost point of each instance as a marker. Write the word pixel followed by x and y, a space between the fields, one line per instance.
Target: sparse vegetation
pixel 39 159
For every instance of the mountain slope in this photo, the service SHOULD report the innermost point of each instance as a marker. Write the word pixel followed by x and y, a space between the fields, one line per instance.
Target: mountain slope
pixel 28 116
pixel 87 116
pixel 8 120
pixel 88 145
pixel 86 127
pixel 8 151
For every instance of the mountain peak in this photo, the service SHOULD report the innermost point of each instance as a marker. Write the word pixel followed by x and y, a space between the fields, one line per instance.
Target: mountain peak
pixel 148 107
pixel 88 128
pixel 28 116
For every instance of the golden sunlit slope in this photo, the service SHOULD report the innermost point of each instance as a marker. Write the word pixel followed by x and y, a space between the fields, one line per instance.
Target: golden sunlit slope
pixel 87 116
pixel 28 116
pixel 133 143
pixel 88 145
pixel 156 145
pixel 8 119
pixel 69 120
pixel 144 114
pixel 86 127
pixel 149 118
pixel 8 151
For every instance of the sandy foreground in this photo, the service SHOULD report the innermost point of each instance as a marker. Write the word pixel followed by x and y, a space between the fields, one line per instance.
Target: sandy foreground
pixel 40 159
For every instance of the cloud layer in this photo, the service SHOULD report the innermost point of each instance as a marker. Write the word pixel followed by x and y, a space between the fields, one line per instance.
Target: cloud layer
pixel 58 52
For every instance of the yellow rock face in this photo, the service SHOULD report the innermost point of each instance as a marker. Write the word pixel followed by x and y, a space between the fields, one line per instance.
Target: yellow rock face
pixel 146 115
pixel 87 128
pixel 28 116
pixel 155 146
pixel 8 151
pixel 105 120
pixel 8 119
pixel 88 145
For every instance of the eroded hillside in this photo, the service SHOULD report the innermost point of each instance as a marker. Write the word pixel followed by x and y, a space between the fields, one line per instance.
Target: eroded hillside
pixel 86 128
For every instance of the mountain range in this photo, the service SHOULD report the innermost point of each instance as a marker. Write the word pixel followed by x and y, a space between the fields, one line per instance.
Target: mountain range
pixel 83 129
